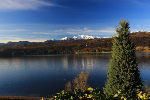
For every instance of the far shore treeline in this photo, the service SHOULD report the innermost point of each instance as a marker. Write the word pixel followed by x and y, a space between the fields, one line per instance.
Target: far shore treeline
pixel 141 40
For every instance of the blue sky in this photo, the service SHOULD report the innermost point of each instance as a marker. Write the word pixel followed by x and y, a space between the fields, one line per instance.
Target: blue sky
pixel 41 20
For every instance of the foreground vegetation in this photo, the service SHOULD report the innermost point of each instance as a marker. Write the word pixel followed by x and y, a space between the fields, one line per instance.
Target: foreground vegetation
pixel 82 91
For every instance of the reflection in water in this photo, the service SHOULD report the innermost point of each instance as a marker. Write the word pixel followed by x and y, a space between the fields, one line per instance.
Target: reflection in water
pixel 75 62
pixel 89 63
pixel 47 75
pixel 65 62
pixel 83 63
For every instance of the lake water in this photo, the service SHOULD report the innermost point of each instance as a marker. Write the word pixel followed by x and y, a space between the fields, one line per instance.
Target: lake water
pixel 46 75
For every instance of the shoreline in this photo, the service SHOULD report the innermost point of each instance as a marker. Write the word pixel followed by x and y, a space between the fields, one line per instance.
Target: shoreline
pixel 106 52
pixel 70 53
pixel 22 98
pixel 77 53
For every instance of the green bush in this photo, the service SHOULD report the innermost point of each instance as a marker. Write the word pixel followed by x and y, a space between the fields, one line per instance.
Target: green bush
pixel 77 94
pixel 94 94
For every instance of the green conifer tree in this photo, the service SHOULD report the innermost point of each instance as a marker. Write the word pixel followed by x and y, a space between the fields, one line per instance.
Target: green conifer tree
pixel 123 73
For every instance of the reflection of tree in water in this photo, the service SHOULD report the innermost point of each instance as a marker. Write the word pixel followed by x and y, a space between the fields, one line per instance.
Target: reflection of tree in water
pixel 79 83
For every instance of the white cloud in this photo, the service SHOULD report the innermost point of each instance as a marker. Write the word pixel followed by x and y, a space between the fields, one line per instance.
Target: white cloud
pixel 40 33
pixel 78 31
pixel 85 28
pixel 140 2
pixel 5 39
pixel 86 31
pixel 14 30
pixel 45 33
pixel 23 4
pixel 69 29
pixel 138 26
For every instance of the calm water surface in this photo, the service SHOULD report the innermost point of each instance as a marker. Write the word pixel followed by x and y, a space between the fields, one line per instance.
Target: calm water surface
pixel 46 75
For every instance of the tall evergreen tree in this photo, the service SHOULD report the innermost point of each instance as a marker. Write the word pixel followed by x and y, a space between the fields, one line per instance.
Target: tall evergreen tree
pixel 123 73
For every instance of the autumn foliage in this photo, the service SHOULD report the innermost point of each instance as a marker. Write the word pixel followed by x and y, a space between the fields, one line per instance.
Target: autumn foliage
pixel 80 82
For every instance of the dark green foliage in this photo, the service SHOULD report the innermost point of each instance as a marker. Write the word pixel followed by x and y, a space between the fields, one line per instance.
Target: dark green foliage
pixel 123 72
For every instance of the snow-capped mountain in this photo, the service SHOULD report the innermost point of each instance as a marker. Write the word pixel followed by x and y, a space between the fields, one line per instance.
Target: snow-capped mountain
pixel 141 31
pixel 82 37
pixel 85 37
pixel 65 38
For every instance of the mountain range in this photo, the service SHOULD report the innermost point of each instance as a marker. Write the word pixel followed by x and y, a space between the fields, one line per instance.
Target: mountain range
pixel 82 37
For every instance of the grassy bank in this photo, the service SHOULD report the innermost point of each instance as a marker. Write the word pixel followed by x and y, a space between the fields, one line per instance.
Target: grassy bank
pixel 108 52
pixel 92 52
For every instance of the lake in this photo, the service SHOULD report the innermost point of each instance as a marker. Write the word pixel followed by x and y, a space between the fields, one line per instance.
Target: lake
pixel 45 75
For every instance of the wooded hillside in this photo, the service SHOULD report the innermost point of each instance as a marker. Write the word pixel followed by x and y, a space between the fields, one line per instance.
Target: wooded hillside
pixel 140 39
